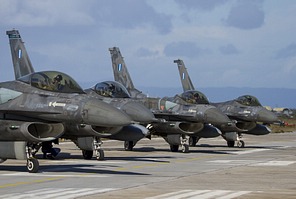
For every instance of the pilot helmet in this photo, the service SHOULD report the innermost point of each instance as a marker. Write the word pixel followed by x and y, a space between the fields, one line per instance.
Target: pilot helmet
pixel 58 78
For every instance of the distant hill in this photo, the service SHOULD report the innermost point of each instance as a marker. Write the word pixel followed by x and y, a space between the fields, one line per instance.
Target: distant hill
pixel 274 97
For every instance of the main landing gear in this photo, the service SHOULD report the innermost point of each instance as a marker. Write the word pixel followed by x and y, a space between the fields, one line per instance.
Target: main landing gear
pixel 240 143
pixel 193 140
pixel 129 145
pixel 99 152
pixel 184 144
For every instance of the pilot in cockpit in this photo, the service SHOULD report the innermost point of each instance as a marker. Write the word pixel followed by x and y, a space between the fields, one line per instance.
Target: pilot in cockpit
pixel 111 89
pixel 56 83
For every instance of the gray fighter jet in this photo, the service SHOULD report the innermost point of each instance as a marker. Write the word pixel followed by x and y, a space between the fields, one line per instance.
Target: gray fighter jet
pixel 246 110
pixel 115 94
pixel 40 107
pixel 182 120
pixel 104 91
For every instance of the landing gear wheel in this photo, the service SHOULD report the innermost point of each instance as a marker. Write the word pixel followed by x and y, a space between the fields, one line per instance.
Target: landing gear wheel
pixel 32 165
pixel 87 155
pixel 174 148
pixel 128 145
pixel 230 143
pixel 100 154
pixel 240 144
pixel 185 148
pixel 192 141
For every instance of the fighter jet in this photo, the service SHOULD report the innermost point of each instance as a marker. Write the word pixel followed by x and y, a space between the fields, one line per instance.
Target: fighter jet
pixel 115 94
pixel 181 120
pixel 103 91
pixel 41 106
pixel 246 110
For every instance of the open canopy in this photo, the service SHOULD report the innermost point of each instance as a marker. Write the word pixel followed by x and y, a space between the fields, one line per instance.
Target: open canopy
pixel 52 81
pixel 111 89
pixel 248 100
pixel 194 97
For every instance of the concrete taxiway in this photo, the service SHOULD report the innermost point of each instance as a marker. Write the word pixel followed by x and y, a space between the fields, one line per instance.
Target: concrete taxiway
pixel 265 168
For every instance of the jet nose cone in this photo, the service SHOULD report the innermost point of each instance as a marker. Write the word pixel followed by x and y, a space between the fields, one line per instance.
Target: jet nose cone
pixel 216 117
pixel 138 112
pixel 267 116
pixel 100 113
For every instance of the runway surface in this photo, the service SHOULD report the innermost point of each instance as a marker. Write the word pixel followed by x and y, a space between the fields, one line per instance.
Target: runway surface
pixel 265 168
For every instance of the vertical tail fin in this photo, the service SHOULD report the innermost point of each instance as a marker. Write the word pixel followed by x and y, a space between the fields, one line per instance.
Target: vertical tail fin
pixel 21 61
pixel 184 76
pixel 121 73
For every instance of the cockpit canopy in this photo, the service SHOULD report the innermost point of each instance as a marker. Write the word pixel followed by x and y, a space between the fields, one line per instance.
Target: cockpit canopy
pixel 52 81
pixel 248 100
pixel 194 97
pixel 111 89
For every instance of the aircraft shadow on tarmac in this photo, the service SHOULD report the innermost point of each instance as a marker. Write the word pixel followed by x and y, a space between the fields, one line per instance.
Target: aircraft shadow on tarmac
pixel 67 156
pixel 100 168
pixel 202 148
pixel 71 168
pixel 228 150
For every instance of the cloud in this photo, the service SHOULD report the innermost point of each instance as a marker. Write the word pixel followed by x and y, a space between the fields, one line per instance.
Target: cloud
pixel 206 5
pixel 290 67
pixel 144 52
pixel 246 15
pixel 287 52
pixel 127 14
pixel 130 14
pixel 186 49
pixel 229 49
pixel 44 13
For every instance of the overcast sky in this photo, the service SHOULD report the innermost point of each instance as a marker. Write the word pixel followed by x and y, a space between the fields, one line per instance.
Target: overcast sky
pixel 240 43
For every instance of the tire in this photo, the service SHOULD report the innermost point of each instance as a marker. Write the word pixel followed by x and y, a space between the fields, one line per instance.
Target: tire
pixel 128 145
pixel 241 144
pixel 32 165
pixel 185 148
pixel 230 143
pixel 174 148
pixel 100 154
pixel 192 141
pixel 87 155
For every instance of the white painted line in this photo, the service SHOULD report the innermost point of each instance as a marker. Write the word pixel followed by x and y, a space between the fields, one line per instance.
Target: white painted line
pixel 234 195
pixel 62 193
pixel 232 161
pixel 248 152
pixel 201 194
pixel 193 194
pixel 253 162
pixel 274 163
pixel 168 195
